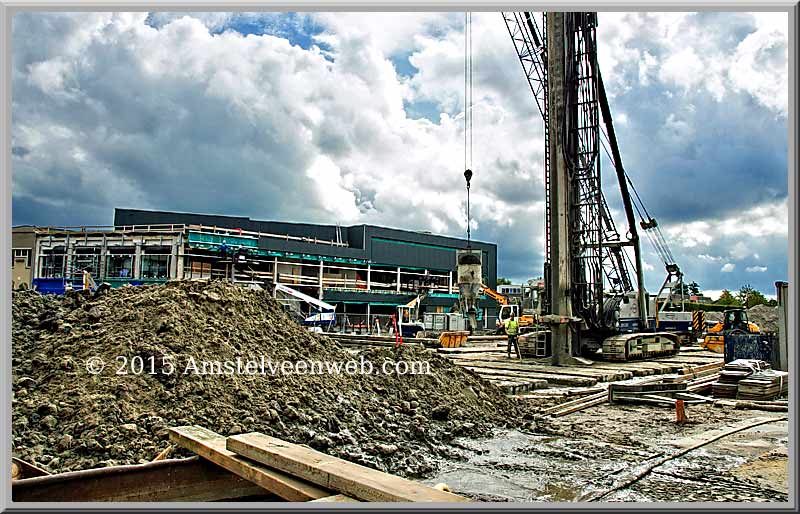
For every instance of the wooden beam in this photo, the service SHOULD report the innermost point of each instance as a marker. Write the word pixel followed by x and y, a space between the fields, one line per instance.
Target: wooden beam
pixel 563 380
pixel 192 479
pixel 336 498
pixel 340 475
pixel 211 446
pixel 600 375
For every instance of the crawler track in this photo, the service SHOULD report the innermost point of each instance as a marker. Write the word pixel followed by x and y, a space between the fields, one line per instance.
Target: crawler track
pixel 635 346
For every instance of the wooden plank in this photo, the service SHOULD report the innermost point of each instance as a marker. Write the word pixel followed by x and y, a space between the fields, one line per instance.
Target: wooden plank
pixel 603 376
pixel 22 469
pixel 694 370
pixel 590 402
pixel 211 446
pixel 192 479
pixel 467 349
pixel 563 380
pixel 333 473
pixel 336 498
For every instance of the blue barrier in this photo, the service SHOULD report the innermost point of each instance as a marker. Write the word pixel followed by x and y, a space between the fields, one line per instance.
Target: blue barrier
pixel 762 347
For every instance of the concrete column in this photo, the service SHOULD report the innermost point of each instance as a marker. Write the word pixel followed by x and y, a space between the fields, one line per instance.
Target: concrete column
pixel 173 261
pixel 179 265
pixel 35 271
pixel 321 267
pixel 274 277
pixel 783 317
pixel 101 266
pixel 369 276
pixel 67 269
pixel 450 282
pixel 137 261
pixel 398 279
pixel 369 320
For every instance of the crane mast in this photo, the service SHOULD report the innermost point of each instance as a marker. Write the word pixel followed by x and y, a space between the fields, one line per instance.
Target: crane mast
pixel 586 270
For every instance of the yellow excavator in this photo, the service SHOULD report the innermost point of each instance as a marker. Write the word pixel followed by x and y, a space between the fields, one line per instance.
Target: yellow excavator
pixel 507 309
pixel 733 320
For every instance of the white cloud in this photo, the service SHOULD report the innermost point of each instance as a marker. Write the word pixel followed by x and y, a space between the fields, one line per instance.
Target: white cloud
pixel 709 258
pixel 760 65
pixel 728 267
pixel 695 54
pixel 740 250
pixel 756 269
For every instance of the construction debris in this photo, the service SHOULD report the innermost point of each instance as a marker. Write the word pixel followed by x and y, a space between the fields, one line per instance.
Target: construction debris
pixel 728 384
pixel 764 386
pixel 65 418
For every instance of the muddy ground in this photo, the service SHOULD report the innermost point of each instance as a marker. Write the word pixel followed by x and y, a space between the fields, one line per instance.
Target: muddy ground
pixel 567 457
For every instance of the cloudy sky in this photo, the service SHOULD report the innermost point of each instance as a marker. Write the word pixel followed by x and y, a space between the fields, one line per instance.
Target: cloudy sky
pixel 358 117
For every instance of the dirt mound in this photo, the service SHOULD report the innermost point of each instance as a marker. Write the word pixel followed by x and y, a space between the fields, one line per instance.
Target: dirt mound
pixel 65 418
pixel 764 316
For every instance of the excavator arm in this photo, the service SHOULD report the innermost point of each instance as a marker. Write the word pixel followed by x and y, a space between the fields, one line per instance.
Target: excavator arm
pixel 491 293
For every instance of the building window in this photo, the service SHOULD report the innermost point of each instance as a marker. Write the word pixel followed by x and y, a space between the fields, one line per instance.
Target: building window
pixel 21 255
pixel 119 266
pixel 85 261
pixel 197 270
pixel 52 265
pixel 155 266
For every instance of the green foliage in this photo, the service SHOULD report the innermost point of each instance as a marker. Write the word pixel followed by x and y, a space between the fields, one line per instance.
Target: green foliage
pixel 503 281
pixel 750 297
pixel 727 299
pixel 692 288
pixel 709 307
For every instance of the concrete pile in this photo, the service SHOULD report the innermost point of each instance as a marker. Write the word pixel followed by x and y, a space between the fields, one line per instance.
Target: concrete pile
pixel 66 418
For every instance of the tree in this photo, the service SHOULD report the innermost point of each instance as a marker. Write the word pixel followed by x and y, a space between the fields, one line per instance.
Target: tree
pixel 750 297
pixel 727 299
pixel 503 281
pixel 692 288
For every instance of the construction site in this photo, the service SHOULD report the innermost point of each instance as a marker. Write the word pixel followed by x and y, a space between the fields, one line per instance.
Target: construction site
pixel 187 357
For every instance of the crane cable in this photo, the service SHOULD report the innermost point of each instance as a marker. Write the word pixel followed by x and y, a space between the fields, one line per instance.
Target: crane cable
pixel 654 233
pixel 468 131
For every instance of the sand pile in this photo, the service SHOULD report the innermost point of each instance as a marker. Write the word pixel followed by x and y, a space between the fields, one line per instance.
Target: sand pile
pixel 65 418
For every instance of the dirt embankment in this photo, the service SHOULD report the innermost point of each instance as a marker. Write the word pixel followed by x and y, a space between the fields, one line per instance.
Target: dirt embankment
pixel 65 418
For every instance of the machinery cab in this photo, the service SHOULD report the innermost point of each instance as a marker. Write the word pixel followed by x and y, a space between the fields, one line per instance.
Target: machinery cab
pixel 736 319
pixel 628 316
pixel 408 322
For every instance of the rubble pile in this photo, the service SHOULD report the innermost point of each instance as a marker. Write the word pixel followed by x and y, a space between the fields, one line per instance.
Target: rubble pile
pixel 764 316
pixel 66 418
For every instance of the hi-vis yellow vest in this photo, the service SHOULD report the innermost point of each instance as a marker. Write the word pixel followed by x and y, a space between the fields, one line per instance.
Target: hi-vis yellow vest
pixel 511 327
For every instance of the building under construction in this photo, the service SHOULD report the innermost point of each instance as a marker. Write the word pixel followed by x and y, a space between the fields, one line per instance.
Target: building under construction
pixel 365 270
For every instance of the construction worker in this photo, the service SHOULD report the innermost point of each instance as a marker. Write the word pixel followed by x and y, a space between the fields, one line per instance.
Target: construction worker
pixel 512 329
